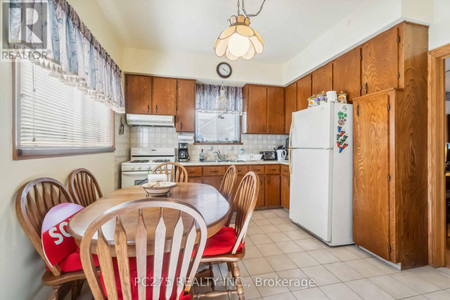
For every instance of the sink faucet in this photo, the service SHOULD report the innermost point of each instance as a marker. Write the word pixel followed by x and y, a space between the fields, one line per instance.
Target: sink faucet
pixel 219 155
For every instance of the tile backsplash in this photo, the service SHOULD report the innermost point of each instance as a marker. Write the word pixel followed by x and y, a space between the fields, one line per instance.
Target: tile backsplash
pixel 168 137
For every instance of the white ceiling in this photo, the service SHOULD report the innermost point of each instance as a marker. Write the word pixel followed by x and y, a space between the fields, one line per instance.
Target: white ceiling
pixel 286 26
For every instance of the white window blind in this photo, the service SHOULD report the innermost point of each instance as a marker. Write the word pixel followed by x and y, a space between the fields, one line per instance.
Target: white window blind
pixel 55 118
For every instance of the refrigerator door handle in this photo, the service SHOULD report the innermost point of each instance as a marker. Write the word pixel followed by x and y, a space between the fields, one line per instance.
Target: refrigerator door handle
pixel 290 143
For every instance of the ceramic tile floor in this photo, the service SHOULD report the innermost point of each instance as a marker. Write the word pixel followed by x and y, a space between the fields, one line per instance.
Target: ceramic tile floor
pixel 278 249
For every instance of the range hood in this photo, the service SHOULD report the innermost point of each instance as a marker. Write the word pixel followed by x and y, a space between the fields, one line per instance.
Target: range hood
pixel 150 120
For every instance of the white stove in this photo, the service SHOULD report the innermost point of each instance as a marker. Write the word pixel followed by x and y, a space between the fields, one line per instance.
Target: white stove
pixel 143 161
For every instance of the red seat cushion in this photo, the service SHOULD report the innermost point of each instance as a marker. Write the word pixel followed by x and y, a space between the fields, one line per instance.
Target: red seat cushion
pixel 73 262
pixel 222 242
pixel 149 281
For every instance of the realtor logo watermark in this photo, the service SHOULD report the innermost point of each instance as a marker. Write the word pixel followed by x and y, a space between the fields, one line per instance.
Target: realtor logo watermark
pixel 302 283
pixel 24 30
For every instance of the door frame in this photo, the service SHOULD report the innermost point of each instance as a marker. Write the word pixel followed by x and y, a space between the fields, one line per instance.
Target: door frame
pixel 436 164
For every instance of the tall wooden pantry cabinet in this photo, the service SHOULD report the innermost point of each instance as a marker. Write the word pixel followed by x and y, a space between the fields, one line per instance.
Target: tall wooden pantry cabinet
pixel 389 176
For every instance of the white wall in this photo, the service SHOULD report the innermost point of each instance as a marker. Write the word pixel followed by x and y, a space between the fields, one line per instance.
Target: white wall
pixel 21 268
pixel 363 24
pixel 439 33
pixel 358 27
pixel 367 22
pixel 198 66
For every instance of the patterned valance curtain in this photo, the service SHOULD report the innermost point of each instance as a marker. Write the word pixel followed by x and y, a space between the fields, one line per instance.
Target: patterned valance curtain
pixel 73 54
pixel 207 99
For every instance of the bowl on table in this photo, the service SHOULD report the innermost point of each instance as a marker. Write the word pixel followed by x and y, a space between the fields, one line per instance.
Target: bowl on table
pixel 160 188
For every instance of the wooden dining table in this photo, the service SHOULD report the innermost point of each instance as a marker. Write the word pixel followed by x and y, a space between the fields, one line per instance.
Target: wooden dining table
pixel 214 208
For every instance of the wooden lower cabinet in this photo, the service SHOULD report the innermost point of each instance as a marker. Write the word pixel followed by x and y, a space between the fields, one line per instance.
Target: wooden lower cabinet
pixel 241 171
pixel 261 196
pixel 285 180
pixel 272 190
pixel 195 174
pixel 215 181
pixel 389 176
pixel 270 176
pixel 195 179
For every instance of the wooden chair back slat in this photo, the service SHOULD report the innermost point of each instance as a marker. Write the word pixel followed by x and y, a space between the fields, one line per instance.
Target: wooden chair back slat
pixel 182 244
pixel 228 181
pixel 244 203
pixel 160 234
pixel 33 201
pixel 84 186
pixel 141 253
pixel 177 237
pixel 106 265
pixel 123 263
pixel 175 172
pixel 188 249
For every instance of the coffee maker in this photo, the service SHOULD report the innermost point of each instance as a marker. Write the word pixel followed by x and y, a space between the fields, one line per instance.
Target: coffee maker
pixel 183 152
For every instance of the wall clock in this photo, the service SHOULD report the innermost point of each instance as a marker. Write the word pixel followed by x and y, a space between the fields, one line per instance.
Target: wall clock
pixel 224 70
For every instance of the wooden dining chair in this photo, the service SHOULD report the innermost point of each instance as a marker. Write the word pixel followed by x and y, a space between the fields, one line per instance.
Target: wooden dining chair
pixel 84 187
pixel 33 201
pixel 245 200
pixel 166 251
pixel 226 189
pixel 228 181
pixel 175 172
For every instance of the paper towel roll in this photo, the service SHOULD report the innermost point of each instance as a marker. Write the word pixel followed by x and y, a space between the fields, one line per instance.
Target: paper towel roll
pixel 157 177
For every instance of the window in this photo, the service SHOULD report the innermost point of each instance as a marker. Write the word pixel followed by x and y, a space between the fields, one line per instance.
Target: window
pixel 53 118
pixel 213 127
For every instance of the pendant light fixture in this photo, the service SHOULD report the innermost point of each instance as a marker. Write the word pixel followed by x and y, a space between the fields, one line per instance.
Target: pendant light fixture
pixel 239 39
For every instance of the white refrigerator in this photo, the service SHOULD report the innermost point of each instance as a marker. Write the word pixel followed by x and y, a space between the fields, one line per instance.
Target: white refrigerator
pixel 321 167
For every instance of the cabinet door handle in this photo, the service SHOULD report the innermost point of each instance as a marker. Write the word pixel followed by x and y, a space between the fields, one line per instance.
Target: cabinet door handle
pixel 367 88
pixel 181 125
pixel 357 110
pixel 156 108
pixel 148 108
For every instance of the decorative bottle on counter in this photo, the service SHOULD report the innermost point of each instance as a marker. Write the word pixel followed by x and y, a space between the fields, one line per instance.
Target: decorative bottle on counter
pixel 202 156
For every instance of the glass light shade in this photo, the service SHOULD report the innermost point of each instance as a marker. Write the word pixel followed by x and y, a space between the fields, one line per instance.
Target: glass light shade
pixel 239 40
pixel 238 44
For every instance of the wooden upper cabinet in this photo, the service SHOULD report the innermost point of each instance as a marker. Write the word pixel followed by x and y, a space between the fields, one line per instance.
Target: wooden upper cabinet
pixel 347 73
pixel 380 69
pixel 256 109
pixel 164 96
pixel 322 79
pixel 303 92
pixel 185 118
pixel 138 94
pixel 275 110
pixel 290 105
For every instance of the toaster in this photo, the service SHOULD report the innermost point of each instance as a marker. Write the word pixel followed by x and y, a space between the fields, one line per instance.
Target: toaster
pixel 269 155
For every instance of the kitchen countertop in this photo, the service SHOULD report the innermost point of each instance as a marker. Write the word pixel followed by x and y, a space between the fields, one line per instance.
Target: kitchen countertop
pixel 229 163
